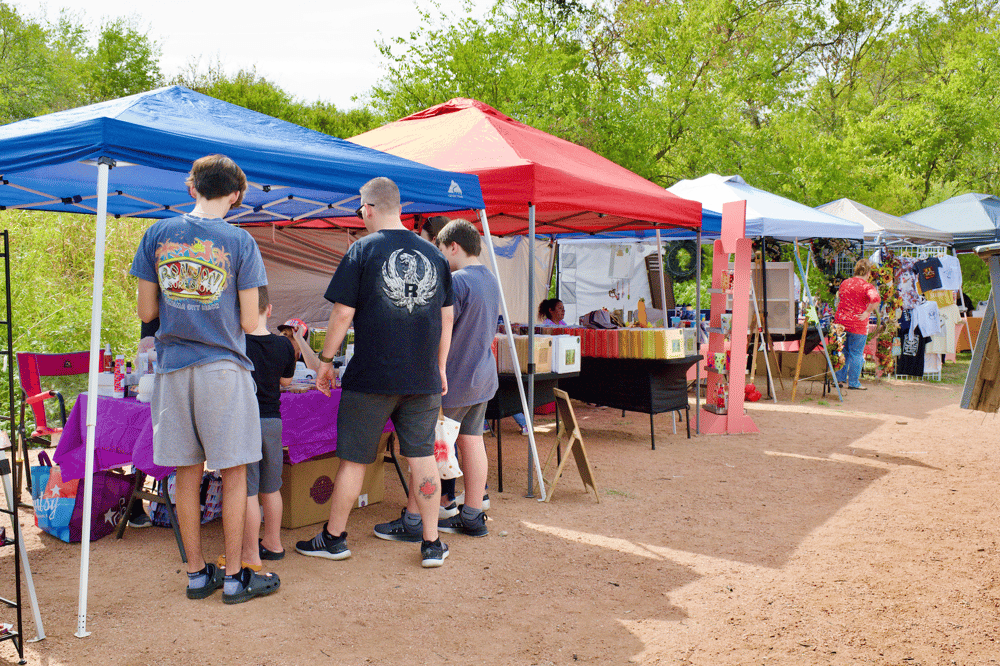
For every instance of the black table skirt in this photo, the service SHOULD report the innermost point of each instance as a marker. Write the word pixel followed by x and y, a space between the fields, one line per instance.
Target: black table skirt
pixel 650 386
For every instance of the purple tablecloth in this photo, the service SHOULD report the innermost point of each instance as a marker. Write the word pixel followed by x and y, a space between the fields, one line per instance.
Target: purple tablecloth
pixel 125 433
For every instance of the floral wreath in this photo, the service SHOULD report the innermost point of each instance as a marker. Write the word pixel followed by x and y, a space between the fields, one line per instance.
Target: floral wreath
pixel 884 277
pixel 835 344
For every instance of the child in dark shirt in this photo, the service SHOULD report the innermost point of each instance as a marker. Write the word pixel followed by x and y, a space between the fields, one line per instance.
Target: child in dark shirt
pixel 274 365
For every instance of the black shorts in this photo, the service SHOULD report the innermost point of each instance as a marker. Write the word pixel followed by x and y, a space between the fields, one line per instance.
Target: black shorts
pixel 361 418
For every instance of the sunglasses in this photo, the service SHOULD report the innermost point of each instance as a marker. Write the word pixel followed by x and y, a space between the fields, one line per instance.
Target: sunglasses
pixel 361 208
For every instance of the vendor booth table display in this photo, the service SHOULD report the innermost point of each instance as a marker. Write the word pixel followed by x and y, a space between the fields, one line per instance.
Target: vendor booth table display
pixel 646 385
pixel 309 433
pixel 532 183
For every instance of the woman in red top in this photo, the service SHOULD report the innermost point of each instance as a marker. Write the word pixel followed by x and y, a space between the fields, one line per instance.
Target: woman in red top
pixel 858 299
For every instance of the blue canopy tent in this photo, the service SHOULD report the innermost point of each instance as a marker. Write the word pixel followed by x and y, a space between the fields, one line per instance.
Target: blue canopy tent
pixel 972 219
pixel 130 157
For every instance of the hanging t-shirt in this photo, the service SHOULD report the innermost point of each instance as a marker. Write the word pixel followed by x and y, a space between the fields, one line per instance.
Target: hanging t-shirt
pixel 911 360
pixel 944 341
pixel 855 296
pixel 927 317
pixel 928 273
pixel 951 272
pixel 397 283
pixel 908 290
pixel 201 265
pixel 273 358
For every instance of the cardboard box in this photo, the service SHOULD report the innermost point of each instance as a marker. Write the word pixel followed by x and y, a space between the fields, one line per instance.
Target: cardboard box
pixel 566 353
pixel 674 339
pixel 307 487
pixel 812 364
pixel 690 341
pixel 543 354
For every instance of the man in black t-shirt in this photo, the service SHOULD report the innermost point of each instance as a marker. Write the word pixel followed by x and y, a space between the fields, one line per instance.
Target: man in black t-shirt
pixel 396 287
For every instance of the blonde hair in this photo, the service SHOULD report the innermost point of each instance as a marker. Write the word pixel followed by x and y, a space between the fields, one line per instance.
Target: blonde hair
pixel 381 192
pixel 863 267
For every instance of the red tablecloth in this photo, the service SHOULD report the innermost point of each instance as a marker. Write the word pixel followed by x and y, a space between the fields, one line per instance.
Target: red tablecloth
pixel 125 432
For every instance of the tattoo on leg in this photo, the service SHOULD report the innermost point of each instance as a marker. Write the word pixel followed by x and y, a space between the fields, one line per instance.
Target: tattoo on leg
pixel 428 487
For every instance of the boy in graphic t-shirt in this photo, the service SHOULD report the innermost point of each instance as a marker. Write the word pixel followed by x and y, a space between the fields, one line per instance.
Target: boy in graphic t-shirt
pixel 273 367
pixel 199 275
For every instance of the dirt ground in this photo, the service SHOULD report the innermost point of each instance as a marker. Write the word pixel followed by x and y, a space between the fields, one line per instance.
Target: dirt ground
pixel 855 533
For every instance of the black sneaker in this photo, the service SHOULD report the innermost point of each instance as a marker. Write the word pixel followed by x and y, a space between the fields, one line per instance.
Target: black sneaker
pixel 433 553
pixel 459 525
pixel 397 531
pixel 324 545
pixel 140 521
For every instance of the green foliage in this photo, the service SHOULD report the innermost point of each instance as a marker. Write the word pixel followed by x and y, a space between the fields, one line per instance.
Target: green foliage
pixel 52 266
pixel 51 67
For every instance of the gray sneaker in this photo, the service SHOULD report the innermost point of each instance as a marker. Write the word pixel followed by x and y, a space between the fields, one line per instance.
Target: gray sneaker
pixel 398 531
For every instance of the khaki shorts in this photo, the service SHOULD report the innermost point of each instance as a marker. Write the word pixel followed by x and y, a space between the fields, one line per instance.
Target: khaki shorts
pixel 206 413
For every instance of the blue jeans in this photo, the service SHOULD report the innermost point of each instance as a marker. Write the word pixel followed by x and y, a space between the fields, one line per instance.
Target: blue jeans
pixel 855 356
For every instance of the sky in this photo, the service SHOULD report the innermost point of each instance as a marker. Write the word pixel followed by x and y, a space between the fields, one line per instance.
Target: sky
pixel 312 49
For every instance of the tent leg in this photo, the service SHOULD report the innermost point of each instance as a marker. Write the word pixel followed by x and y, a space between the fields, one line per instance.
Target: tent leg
pixel 104 165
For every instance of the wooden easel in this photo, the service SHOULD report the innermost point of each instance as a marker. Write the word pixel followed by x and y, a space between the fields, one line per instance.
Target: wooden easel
pixel 568 434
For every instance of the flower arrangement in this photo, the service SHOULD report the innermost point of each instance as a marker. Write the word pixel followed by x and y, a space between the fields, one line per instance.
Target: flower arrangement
pixel 836 343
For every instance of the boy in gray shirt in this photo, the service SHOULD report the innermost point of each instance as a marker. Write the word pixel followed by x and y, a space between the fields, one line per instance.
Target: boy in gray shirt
pixel 471 367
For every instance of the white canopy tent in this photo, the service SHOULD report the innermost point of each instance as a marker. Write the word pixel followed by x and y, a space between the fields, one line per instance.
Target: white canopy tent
pixel 768 215
pixel 881 227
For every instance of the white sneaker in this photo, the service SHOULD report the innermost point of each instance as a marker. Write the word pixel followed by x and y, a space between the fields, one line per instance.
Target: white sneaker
pixel 460 500
pixel 448 511
pixel 524 431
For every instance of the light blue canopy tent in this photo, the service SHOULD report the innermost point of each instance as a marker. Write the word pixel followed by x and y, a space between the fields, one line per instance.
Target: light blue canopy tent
pixel 972 219
pixel 130 157
pixel 768 214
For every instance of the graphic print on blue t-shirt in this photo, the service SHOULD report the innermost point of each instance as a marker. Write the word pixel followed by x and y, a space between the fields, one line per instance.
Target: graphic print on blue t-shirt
pixel 409 279
pixel 192 272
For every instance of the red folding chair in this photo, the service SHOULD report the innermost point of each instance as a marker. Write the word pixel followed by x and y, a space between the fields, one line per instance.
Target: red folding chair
pixel 34 370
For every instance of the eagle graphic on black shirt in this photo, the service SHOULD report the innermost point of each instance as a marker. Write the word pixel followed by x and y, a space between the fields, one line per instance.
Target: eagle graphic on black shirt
pixel 410 279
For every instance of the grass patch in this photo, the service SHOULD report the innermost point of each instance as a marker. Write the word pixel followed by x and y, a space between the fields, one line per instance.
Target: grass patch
pixel 617 493
pixel 954 372
pixel 822 402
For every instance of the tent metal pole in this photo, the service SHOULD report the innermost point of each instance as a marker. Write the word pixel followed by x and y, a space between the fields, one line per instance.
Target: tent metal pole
pixel 513 350
pixel 697 335
pixel 663 281
pixel 104 165
pixel 529 416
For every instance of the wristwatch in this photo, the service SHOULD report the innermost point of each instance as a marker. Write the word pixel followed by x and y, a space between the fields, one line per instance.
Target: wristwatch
pixel 324 359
